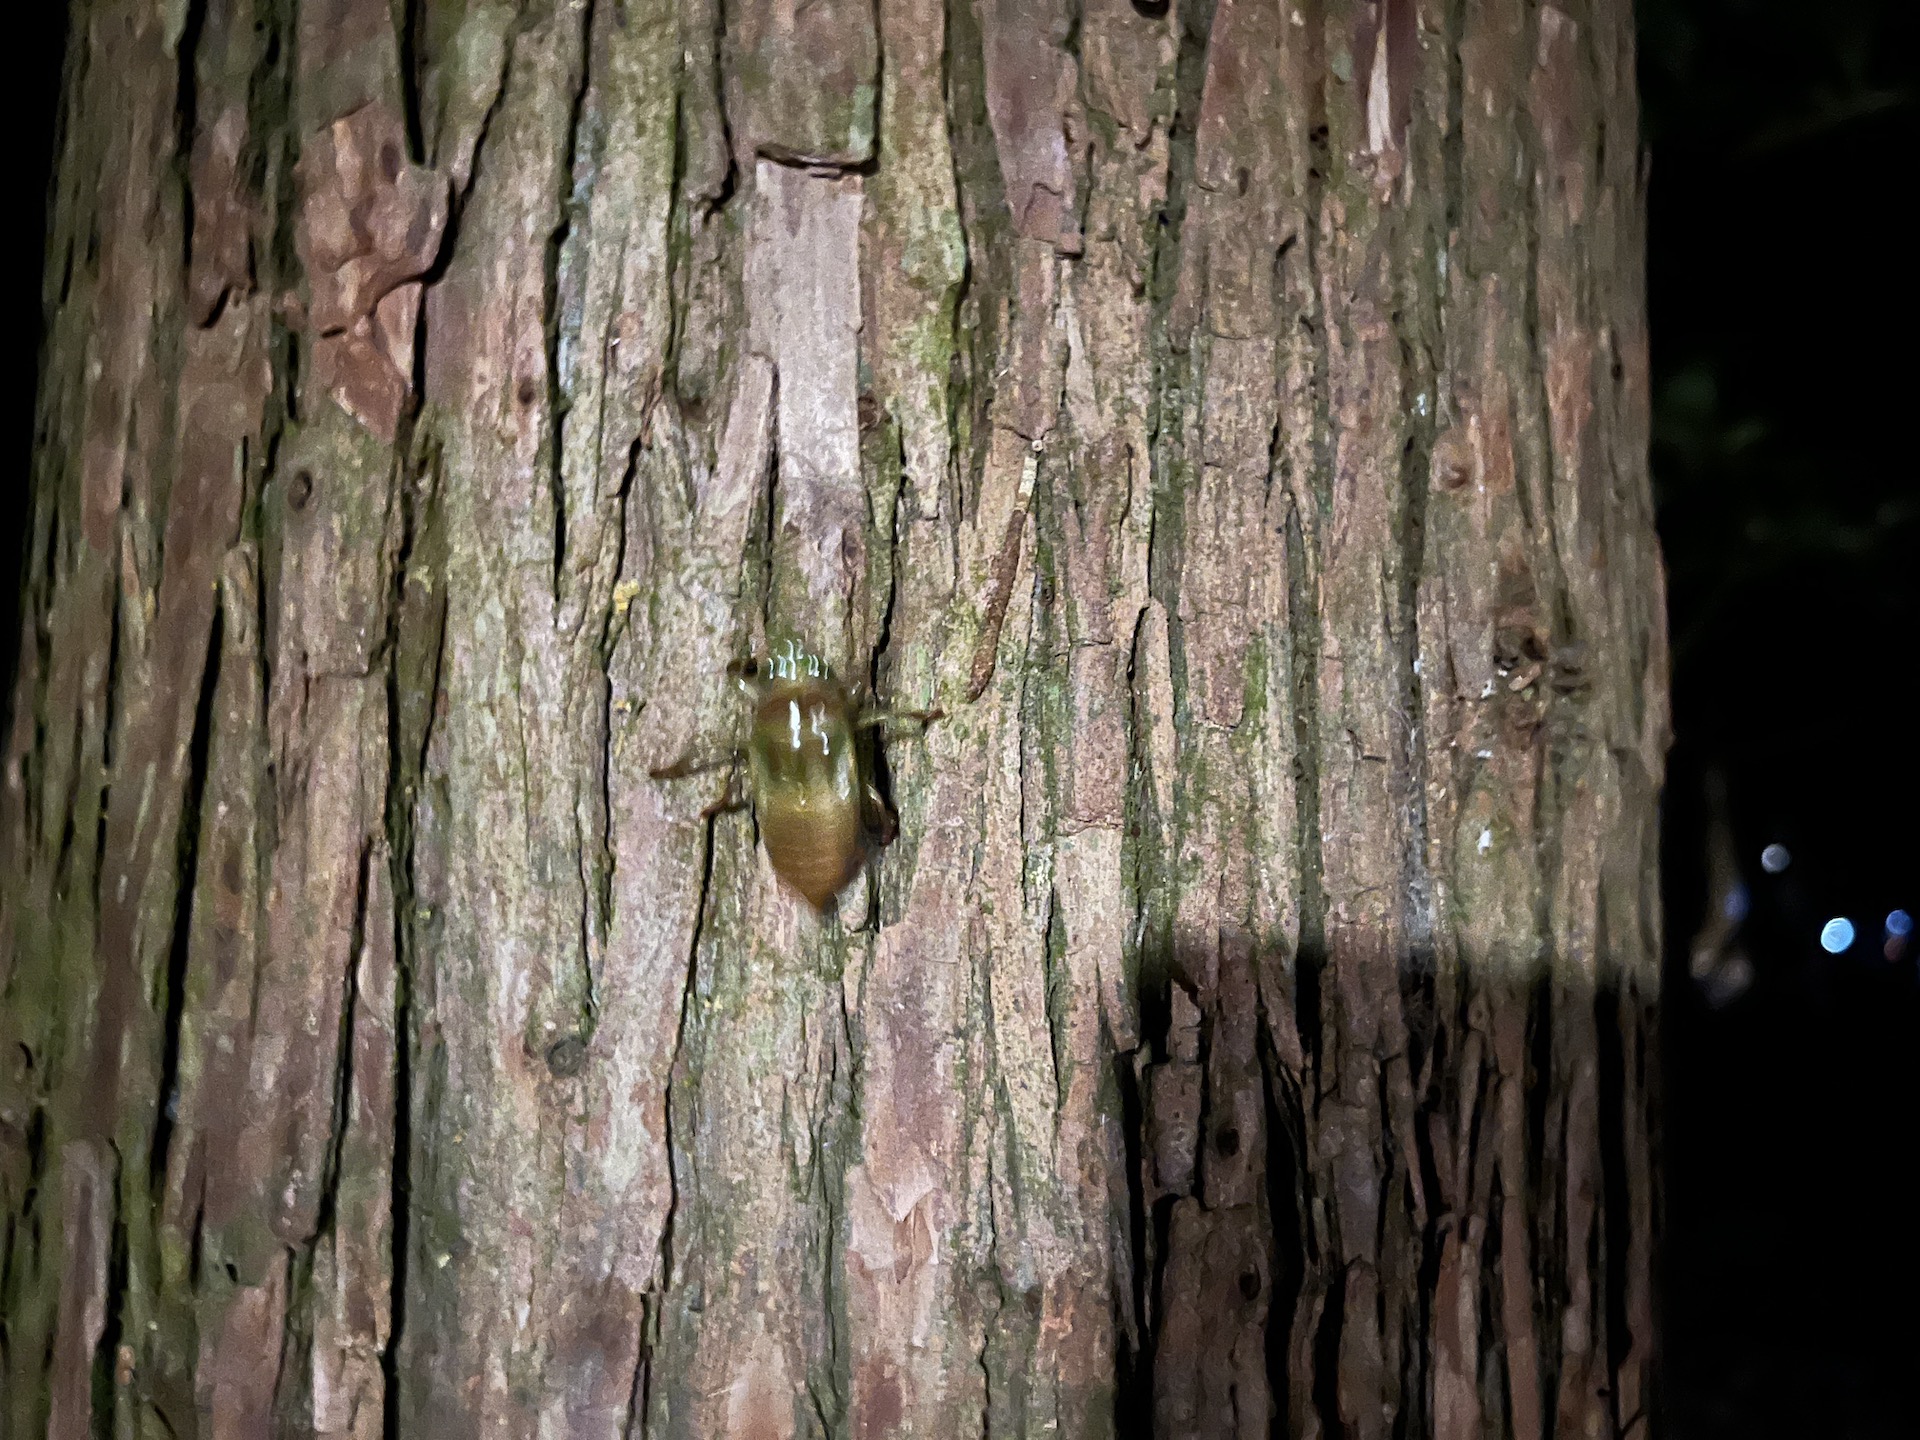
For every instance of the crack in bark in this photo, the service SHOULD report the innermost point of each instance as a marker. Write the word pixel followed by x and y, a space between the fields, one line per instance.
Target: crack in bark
pixel 634 1426
pixel 343 1071
pixel 556 397
pixel 674 1068
pixel 173 1006
pixel 107 1358
pixel 408 738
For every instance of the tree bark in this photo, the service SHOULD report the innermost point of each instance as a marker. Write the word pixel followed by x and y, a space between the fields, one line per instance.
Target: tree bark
pixel 1232 412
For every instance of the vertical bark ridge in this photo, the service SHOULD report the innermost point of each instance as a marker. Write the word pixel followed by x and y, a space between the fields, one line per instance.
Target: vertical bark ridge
pixel 1231 412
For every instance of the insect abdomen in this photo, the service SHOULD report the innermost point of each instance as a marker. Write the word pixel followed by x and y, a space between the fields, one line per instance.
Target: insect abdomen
pixel 815 847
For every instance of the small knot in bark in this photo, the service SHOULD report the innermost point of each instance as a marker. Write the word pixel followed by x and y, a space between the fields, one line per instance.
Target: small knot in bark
pixel 567 1057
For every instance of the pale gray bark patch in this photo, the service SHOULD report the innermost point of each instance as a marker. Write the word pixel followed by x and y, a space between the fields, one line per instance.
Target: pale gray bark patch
pixel 802 281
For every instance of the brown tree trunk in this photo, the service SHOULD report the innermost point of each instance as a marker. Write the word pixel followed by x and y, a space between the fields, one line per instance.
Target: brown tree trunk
pixel 1233 412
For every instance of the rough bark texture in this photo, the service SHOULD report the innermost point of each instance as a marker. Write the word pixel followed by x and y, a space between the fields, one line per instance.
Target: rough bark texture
pixel 1233 412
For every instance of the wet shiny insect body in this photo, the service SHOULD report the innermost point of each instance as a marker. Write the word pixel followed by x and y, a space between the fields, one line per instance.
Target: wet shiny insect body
pixel 810 767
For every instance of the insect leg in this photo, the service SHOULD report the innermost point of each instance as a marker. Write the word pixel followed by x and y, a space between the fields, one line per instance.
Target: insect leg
pixel 730 800
pixel 882 825
pixel 686 765
pixel 873 720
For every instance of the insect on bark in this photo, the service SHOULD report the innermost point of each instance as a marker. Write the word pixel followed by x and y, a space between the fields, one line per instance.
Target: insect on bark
pixel 810 772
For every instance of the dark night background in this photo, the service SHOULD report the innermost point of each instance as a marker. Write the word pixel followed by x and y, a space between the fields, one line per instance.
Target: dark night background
pixel 1785 321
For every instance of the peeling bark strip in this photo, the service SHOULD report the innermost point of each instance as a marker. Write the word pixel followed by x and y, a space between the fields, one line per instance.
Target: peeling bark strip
pixel 369 222
pixel 1234 415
